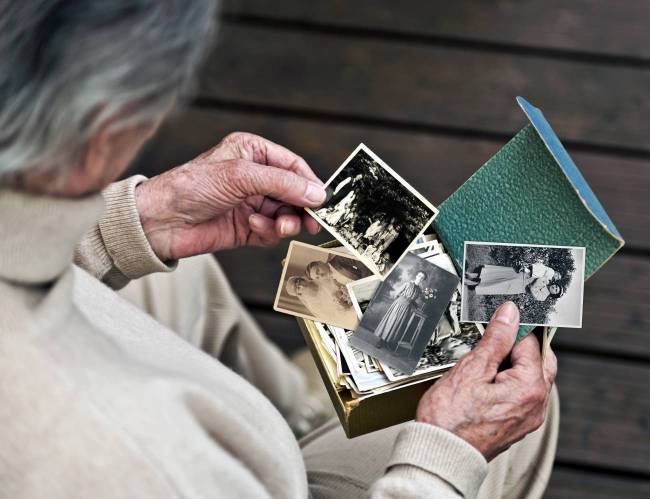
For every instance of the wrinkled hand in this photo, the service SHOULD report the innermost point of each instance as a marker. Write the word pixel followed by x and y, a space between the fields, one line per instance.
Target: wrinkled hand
pixel 244 191
pixel 492 410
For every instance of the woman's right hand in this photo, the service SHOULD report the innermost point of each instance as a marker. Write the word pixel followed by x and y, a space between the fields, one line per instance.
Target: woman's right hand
pixel 489 409
pixel 245 191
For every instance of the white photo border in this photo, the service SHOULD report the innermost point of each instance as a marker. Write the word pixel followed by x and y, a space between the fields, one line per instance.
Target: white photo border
pixel 368 262
pixel 487 243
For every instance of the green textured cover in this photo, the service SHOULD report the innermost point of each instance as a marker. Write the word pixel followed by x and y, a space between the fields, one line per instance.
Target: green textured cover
pixel 523 195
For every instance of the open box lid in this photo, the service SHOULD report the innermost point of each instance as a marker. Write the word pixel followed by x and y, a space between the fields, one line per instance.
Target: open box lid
pixel 530 192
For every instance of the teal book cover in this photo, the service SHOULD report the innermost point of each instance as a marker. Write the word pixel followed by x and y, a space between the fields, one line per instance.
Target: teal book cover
pixel 530 192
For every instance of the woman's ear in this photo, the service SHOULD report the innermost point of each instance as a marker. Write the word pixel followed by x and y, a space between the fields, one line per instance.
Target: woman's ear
pixel 108 154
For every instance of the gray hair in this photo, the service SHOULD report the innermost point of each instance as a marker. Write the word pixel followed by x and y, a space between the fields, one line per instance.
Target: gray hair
pixel 69 67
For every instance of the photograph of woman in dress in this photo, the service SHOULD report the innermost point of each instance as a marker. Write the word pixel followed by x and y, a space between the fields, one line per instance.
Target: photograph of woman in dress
pixel 539 280
pixel 409 299
pixel 545 282
pixel 403 314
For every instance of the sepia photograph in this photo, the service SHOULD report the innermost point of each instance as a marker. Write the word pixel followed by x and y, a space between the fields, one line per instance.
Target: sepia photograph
pixel 313 285
pixel 403 315
pixel 373 211
pixel 545 282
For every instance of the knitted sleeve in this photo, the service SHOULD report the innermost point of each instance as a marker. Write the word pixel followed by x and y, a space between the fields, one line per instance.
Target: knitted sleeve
pixel 116 249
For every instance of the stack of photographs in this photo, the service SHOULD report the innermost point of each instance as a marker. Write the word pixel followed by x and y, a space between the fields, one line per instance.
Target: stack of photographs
pixel 365 375
pixel 388 303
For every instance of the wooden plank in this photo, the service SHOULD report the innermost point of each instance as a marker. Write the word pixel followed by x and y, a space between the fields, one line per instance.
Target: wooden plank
pixel 429 85
pixel 571 483
pixel 605 413
pixel 437 164
pixel 616 313
pixel 590 26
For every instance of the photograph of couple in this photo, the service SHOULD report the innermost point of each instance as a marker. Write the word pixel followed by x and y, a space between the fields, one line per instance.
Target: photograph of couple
pixel 544 281
pixel 313 285
pixel 373 211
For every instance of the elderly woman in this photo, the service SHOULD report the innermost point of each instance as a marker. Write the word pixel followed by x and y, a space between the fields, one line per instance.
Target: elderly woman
pixel 167 388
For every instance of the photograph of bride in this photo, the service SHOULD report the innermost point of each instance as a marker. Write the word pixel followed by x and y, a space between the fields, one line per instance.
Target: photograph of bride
pixel 545 282
pixel 313 285
pixel 373 211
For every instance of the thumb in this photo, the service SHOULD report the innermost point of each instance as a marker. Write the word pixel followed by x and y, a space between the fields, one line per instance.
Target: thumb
pixel 499 336
pixel 250 179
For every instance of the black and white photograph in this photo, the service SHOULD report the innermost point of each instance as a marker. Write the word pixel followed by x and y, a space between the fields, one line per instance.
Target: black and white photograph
pixel 373 211
pixel 402 316
pixel 313 285
pixel 362 292
pixel 444 350
pixel 545 282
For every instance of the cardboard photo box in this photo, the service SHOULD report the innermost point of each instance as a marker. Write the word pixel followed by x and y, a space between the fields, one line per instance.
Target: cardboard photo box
pixel 529 192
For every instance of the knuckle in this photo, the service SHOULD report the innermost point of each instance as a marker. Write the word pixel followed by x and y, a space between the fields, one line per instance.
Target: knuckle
pixel 239 175
pixel 236 137
pixel 497 330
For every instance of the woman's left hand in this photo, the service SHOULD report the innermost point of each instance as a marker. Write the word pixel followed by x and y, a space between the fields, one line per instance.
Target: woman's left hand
pixel 245 191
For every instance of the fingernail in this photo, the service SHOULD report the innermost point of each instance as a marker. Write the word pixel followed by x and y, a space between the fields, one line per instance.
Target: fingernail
pixel 286 227
pixel 315 193
pixel 255 221
pixel 506 313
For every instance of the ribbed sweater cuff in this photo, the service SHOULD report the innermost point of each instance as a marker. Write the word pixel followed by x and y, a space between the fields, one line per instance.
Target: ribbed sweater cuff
pixel 122 232
pixel 422 448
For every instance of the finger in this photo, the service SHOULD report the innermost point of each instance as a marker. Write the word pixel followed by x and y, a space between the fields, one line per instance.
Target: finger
pixel 287 221
pixel 287 225
pixel 250 179
pixel 260 150
pixel 550 366
pixel 499 337
pixel 263 230
pixel 527 353
pixel 312 226
pixel 269 207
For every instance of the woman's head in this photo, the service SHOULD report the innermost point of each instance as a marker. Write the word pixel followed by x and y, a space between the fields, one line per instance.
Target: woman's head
pixel 420 276
pixel 84 79
pixel 295 285
pixel 318 270
pixel 555 290
pixel 455 348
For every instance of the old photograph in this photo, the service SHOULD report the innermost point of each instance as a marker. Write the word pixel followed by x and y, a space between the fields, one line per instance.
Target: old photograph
pixel 545 282
pixel 373 211
pixel 313 284
pixel 362 292
pixel 402 316
pixel 445 348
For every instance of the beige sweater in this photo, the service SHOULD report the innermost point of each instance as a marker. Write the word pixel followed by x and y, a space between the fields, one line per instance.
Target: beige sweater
pixel 98 400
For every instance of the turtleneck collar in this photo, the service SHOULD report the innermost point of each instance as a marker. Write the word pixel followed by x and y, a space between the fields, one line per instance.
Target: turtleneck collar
pixel 38 234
